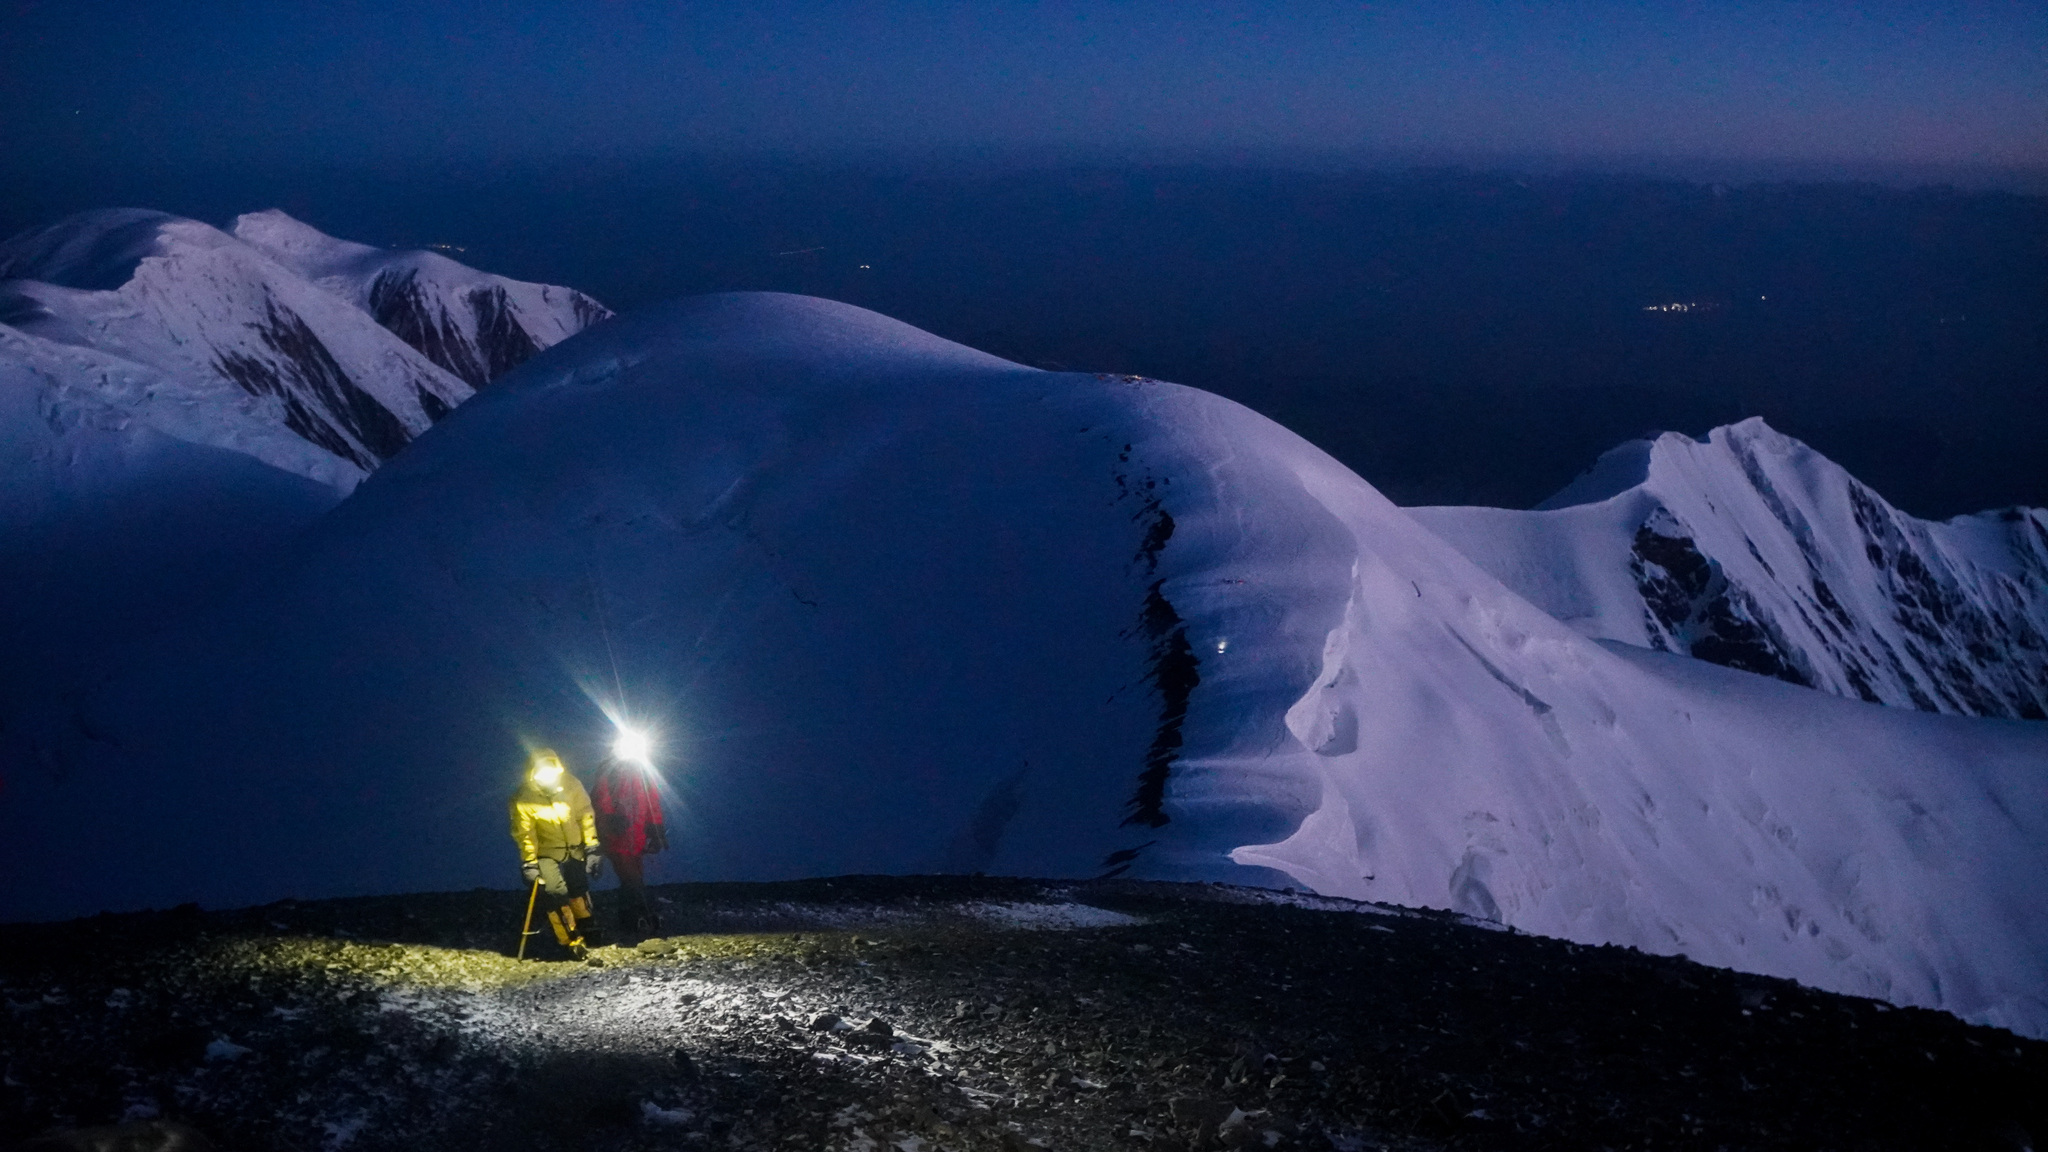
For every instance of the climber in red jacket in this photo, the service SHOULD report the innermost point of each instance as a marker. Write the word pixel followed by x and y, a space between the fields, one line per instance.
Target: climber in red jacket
pixel 627 799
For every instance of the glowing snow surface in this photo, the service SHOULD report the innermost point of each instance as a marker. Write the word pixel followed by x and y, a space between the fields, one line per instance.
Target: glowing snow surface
pixel 896 605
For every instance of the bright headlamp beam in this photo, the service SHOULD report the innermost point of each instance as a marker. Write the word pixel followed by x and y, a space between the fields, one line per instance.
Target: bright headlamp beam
pixel 633 745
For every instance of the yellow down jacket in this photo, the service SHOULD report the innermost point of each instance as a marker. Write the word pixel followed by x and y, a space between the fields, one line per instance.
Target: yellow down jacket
pixel 556 825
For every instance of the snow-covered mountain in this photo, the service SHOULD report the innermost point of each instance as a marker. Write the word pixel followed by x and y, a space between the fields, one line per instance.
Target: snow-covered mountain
pixel 894 605
pixel 1751 550
pixel 250 353
pixel 475 325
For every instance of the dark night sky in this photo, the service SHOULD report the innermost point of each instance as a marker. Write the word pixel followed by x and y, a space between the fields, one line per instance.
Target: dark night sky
pixel 1905 82
pixel 1191 191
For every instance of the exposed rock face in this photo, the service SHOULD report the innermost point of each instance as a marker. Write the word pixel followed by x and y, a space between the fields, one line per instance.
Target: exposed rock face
pixel 1753 551
pixel 276 327
pixel 398 303
pixel 321 402
pixel 1689 606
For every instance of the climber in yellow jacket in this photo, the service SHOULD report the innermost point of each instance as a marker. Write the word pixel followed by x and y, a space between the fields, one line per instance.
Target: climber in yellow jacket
pixel 556 831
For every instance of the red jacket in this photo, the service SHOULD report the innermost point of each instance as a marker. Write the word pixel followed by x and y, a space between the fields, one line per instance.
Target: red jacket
pixel 628 806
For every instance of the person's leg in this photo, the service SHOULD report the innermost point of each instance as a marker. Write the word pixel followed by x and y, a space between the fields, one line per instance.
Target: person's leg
pixel 554 880
pixel 577 878
pixel 634 914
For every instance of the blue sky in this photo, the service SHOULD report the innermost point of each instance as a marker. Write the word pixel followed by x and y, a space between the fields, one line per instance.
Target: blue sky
pixel 345 82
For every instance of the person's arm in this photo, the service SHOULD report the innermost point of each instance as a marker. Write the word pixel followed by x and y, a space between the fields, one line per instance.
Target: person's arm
pixel 650 804
pixel 655 827
pixel 522 836
pixel 588 818
pixel 522 833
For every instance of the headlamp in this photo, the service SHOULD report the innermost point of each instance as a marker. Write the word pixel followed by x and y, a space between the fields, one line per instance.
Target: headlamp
pixel 634 746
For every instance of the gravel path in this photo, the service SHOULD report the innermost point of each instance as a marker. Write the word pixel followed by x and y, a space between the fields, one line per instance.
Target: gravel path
pixel 928 1014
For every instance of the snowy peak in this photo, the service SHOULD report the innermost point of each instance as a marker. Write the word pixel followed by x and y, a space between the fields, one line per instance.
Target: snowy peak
pixel 475 325
pixel 298 245
pixel 252 352
pixel 1618 469
pixel 1751 550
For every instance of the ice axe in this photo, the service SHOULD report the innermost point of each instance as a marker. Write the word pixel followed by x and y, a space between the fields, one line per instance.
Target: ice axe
pixel 526 929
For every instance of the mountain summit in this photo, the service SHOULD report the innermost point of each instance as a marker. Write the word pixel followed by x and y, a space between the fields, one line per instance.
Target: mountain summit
pixel 1751 550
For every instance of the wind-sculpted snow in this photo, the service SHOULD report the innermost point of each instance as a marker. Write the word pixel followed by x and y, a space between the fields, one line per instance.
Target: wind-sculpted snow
pixel 894 605
pixel 1753 551
pixel 277 328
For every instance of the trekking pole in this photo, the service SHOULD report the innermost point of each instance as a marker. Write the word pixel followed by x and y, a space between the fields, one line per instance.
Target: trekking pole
pixel 526 929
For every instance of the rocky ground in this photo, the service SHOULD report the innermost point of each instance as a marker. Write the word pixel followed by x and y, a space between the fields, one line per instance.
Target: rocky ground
pixel 971 1015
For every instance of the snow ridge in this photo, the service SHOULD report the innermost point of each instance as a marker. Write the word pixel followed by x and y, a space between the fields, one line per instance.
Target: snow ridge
pixel 1750 550
pixel 474 325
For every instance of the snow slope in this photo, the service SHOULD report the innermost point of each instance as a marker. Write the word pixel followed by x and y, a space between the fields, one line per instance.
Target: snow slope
pixel 237 328
pixel 1751 550
pixel 895 605
pixel 110 521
